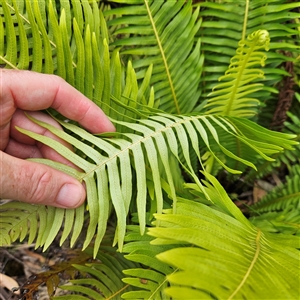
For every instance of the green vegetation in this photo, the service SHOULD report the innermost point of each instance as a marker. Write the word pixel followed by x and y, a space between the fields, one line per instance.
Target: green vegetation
pixel 194 90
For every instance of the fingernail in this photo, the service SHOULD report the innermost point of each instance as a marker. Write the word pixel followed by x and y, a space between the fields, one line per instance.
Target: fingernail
pixel 69 195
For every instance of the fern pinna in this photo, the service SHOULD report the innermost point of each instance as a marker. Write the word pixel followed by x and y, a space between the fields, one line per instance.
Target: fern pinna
pixel 153 67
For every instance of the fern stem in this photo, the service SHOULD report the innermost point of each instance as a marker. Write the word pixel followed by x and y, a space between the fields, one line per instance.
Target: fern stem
pixel 245 20
pixel 159 287
pixel 244 64
pixel 163 57
pixel 118 292
pixel 8 62
pixel 257 242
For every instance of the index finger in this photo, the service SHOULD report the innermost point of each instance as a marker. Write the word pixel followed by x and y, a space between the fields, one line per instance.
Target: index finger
pixel 34 91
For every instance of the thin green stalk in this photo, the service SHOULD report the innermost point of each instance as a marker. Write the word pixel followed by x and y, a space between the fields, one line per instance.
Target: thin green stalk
pixel 245 20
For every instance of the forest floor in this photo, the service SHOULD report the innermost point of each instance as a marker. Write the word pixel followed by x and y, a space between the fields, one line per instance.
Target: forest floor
pixel 27 273
pixel 20 266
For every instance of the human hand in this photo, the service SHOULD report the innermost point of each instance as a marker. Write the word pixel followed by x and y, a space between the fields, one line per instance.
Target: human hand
pixel 29 181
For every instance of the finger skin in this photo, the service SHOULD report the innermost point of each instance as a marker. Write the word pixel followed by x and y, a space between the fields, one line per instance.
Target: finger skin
pixel 28 90
pixel 17 149
pixel 20 119
pixel 19 141
pixel 38 184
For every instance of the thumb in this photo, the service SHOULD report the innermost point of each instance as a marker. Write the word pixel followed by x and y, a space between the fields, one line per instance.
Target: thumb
pixel 38 184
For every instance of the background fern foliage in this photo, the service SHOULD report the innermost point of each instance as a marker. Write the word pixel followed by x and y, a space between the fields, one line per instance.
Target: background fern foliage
pixel 193 89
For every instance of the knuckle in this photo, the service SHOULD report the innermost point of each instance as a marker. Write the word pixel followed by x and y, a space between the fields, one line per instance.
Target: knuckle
pixel 41 185
pixel 58 80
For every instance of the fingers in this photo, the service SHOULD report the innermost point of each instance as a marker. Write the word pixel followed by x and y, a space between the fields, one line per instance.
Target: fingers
pixel 23 151
pixel 39 184
pixel 21 145
pixel 21 120
pixel 33 91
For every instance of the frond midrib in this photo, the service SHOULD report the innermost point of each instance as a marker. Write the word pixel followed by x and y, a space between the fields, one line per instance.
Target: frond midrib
pixel 254 260
pixel 139 141
pixel 159 43
pixel 281 199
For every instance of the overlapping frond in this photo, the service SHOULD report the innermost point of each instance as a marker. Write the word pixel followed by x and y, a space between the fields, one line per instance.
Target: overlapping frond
pixel 150 280
pixel 229 268
pixel 211 261
pixel 286 220
pixel 162 33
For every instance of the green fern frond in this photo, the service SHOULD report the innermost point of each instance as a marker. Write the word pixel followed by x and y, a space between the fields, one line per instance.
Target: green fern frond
pixel 40 224
pixel 282 196
pixel 102 280
pixel 231 98
pixel 110 164
pixel 162 33
pixel 286 221
pixel 13 216
pixel 225 262
pixel 240 147
pixel 286 158
pixel 150 280
pixel 220 261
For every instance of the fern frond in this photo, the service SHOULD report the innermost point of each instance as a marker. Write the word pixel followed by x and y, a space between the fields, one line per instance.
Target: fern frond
pixel 114 162
pixel 102 278
pixel 150 280
pixel 231 270
pixel 252 132
pixel 11 217
pixel 220 262
pixel 286 221
pixel 286 158
pixel 231 98
pixel 282 196
pixel 225 262
pixel 162 34
pixel 39 223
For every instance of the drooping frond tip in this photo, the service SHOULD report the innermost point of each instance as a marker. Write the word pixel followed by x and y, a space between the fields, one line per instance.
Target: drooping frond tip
pixel 231 98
